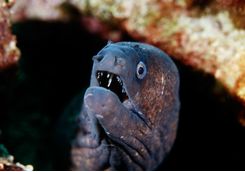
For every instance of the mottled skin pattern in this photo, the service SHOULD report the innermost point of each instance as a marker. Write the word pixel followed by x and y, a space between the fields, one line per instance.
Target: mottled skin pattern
pixel 138 136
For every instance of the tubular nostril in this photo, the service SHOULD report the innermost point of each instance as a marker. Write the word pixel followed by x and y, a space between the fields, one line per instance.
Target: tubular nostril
pixel 97 58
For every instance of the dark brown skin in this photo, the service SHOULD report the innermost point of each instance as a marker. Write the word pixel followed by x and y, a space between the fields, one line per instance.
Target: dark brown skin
pixel 136 132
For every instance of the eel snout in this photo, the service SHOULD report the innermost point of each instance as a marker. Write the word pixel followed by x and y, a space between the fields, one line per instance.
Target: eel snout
pixel 99 100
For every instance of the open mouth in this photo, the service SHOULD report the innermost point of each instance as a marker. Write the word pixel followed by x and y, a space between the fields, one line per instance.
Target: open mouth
pixel 112 82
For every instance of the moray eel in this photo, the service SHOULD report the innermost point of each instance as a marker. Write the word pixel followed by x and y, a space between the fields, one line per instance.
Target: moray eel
pixel 130 111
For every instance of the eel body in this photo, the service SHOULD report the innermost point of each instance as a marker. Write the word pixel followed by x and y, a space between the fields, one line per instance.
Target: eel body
pixel 130 111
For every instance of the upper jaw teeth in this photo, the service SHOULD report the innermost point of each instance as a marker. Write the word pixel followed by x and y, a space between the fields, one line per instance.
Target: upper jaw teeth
pixel 112 82
pixel 119 80
pixel 110 77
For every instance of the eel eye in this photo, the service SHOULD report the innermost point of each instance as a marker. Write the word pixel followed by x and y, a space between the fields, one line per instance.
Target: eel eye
pixel 141 70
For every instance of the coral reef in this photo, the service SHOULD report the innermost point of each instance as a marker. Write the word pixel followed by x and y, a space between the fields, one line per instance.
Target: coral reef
pixel 37 9
pixel 9 53
pixel 7 162
pixel 55 66
pixel 206 35
pixel 237 11
pixel 209 42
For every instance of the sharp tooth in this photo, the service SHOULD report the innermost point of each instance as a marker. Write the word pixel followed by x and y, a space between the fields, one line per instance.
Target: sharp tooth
pixel 119 80
pixel 108 75
pixel 110 80
pixel 123 90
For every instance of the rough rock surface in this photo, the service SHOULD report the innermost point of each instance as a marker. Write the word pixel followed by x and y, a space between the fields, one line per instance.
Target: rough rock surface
pixel 206 35
pixel 206 39
pixel 9 53
pixel 37 9
pixel 7 164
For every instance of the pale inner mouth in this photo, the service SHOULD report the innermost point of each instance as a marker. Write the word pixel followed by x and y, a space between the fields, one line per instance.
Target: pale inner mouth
pixel 112 82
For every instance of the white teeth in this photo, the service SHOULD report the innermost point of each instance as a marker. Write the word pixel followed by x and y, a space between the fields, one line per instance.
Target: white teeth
pixel 119 80
pixel 110 80
pixel 113 83
pixel 98 76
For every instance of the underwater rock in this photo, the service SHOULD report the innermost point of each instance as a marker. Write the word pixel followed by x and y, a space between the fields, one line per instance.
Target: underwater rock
pixel 130 111
pixel 205 39
pixel 9 53
pixel 206 35
pixel 236 9
pixel 37 9
pixel 7 162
